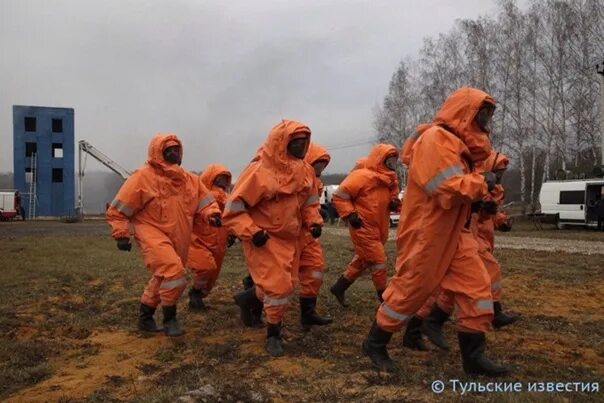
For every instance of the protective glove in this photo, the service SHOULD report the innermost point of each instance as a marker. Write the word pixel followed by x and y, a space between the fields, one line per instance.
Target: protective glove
pixel 215 221
pixel 394 204
pixel 315 230
pixel 490 207
pixel 490 179
pixel 260 238
pixel 231 240
pixel 124 244
pixel 507 225
pixel 354 220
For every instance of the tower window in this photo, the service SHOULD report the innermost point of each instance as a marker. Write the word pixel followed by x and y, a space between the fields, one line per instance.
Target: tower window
pixel 57 150
pixel 57 175
pixel 30 124
pixel 29 175
pixel 57 125
pixel 31 149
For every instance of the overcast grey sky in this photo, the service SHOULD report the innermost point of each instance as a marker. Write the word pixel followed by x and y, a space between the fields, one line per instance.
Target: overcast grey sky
pixel 217 73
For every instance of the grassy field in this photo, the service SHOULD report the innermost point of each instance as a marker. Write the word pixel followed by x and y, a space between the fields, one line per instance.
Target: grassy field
pixel 68 307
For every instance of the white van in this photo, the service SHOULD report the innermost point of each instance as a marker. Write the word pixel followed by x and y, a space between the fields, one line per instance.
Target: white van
pixel 572 202
pixel 328 191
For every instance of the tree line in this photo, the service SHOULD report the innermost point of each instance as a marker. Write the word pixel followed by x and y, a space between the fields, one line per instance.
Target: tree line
pixel 540 65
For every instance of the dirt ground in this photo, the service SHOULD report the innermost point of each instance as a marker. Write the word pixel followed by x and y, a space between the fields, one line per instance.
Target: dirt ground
pixel 68 305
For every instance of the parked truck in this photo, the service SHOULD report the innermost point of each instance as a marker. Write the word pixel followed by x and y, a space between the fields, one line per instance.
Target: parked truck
pixel 8 208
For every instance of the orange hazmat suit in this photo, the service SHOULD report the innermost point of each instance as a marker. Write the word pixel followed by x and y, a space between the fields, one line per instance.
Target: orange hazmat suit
pixel 162 202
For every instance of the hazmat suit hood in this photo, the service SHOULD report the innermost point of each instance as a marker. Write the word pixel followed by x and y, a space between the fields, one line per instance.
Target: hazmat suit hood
pixel 155 157
pixel 275 158
pixel 359 164
pixel 457 114
pixel 316 153
pixel 209 175
pixel 375 162
pixel 407 148
pixel 212 171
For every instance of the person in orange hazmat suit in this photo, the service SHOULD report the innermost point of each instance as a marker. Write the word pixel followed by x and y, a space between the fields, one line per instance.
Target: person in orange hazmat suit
pixel 312 263
pixel 365 198
pixel 435 246
pixel 271 204
pixel 486 218
pixel 162 202
pixel 208 244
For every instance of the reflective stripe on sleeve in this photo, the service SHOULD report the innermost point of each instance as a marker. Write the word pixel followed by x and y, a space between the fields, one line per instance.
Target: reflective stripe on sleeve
pixel 312 199
pixel 442 176
pixel 206 201
pixel 122 207
pixel 235 205
pixel 341 194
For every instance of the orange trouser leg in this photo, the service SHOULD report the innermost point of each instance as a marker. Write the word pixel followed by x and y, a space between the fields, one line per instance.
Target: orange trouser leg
pixel 355 268
pixel 378 270
pixel 151 294
pixel 409 290
pixel 274 269
pixel 468 282
pixel 171 288
pixel 406 293
pixel 379 276
pixel 168 281
pixel 166 290
pixel 311 269
pixel 494 270
pixel 445 301
pixel 205 277
pixel 424 311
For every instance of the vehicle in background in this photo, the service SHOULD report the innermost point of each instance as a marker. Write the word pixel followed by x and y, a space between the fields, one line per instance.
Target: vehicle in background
pixel 328 211
pixel 396 215
pixel 572 202
pixel 8 208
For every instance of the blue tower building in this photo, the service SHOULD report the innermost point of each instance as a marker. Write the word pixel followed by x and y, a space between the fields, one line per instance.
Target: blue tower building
pixel 43 141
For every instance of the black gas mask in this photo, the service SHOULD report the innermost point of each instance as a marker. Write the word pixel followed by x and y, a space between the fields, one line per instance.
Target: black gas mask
pixel 484 117
pixel 297 147
pixel 173 155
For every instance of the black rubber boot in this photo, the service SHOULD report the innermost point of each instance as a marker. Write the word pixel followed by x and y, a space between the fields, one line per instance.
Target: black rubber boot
pixel 274 345
pixel 433 327
pixel 413 335
pixel 146 323
pixel 196 300
pixel 380 294
pixel 256 312
pixel 339 290
pixel 472 346
pixel 502 319
pixel 171 326
pixel 247 300
pixel 308 313
pixel 374 346
pixel 247 282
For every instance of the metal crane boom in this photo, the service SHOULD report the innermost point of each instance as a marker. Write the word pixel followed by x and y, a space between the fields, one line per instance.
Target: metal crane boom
pixel 87 148
pixel 103 159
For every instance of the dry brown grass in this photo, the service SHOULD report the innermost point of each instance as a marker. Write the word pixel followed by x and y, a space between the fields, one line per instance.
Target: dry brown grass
pixel 68 306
